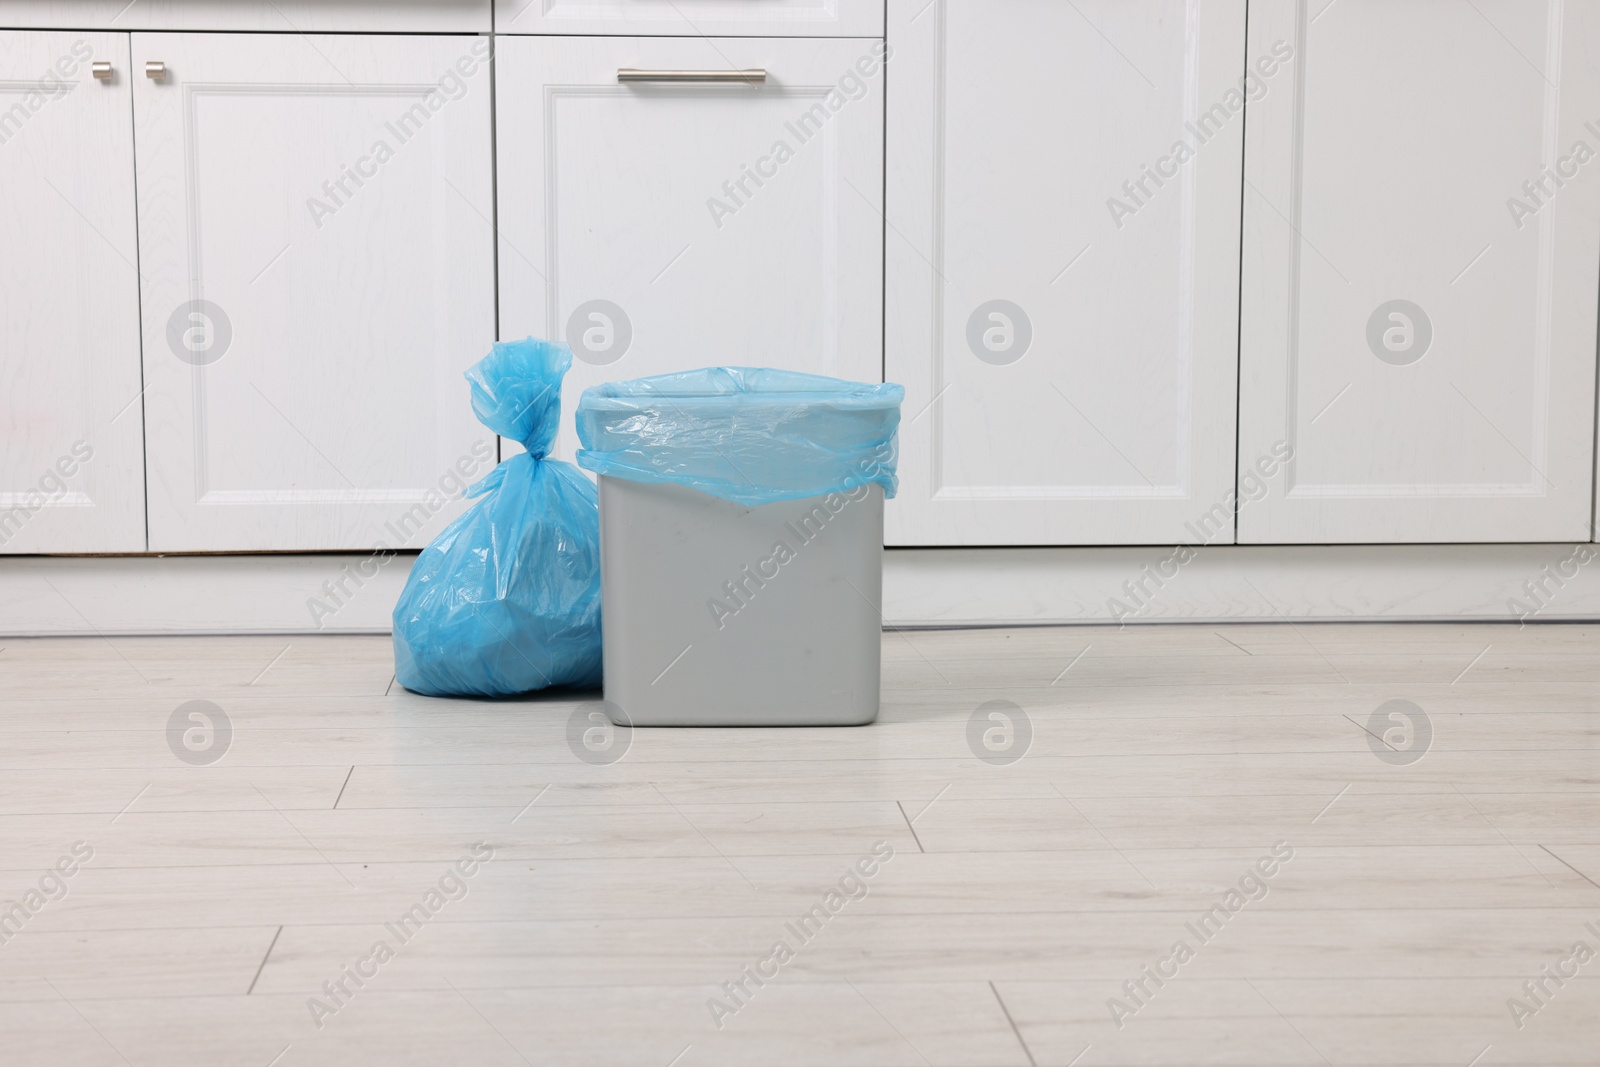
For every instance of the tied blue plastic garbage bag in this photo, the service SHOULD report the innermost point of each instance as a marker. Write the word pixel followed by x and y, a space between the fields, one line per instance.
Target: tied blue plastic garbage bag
pixel 507 599
pixel 746 434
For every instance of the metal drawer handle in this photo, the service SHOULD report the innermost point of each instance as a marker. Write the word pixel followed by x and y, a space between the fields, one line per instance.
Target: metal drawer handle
pixel 156 69
pixel 101 69
pixel 753 76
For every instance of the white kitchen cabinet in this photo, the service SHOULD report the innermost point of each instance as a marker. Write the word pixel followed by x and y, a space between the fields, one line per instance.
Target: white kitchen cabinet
pixel 1418 317
pixel 661 227
pixel 316 241
pixel 1062 269
pixel 693 18
pixel 71 468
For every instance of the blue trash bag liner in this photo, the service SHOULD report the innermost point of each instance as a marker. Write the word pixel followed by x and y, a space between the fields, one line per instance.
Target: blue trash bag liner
pixel 507 599
pixel 751 435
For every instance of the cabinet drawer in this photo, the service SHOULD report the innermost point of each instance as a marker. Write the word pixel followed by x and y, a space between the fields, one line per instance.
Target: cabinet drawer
pixel 659 227
pixel 693 18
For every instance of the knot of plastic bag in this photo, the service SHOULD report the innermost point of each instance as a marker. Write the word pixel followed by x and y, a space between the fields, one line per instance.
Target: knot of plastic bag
pixel 516 391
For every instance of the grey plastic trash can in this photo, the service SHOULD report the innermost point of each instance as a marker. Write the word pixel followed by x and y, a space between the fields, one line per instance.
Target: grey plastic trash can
pixel 749 611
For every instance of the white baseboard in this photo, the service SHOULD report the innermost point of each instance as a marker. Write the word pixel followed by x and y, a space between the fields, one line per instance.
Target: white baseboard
pixel 1240 583
pixel 113 595
pixel 45 595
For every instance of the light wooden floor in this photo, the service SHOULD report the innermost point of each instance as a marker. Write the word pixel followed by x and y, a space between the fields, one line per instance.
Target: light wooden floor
pixel 1164 763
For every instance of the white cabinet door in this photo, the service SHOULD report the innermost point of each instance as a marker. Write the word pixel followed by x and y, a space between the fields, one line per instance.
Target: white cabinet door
pixel 71 469
pixel 315 236
pixel 1062 265
pixel 693 18
pixel 661 227
pixel 1418 314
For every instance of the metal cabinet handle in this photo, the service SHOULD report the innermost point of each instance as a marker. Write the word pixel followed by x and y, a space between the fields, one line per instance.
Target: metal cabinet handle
pixel 156 69
pixel 753 76
pixel 101 69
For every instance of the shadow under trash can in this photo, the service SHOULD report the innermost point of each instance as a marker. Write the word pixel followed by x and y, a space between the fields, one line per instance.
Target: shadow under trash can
pixel 741 545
